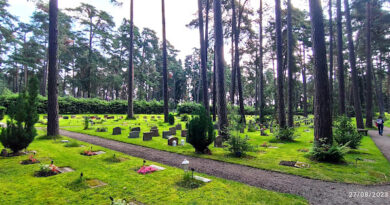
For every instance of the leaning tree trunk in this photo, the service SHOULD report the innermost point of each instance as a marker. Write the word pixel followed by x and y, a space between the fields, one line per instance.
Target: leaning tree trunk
pixel 340 60
pixel 203 58
pixel 165 73
pixel 331 55
pixel 130 83
pixel 290 114
pixel 279 55
pixel 322 111
pixel 219 62
pixel 52 105
pixel 369 68
pixel 352 61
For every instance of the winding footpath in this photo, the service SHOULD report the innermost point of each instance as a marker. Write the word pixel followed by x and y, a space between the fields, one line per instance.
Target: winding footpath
pixel 315 191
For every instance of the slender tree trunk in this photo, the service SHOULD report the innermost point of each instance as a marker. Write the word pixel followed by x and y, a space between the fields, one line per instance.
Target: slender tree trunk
pixel 331 55
pixel 165 73
pixel 279 55
pixel 203 58
pixel 304 82
pixel 352 61
pixel 130 113
pixel 322 111
pixel 52 109
pixel 261 65
pixel 340 60
pixel 219 62
pixel 379 96
pixel 214 90
pixel 234 72
pixel 369 67
pixel 289 66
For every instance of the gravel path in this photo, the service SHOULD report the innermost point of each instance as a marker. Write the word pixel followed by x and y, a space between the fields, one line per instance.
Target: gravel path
pixel 382 142
pixel 316 191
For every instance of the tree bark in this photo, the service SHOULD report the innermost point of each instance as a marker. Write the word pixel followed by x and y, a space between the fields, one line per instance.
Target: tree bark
pixel 203 58
pixel 331 55
pixel 261 65
pixel 340 60
pixel 130 113
pixel 52 109
pixel 219 61
pixel 234 72
pixel 279 55
pixel 304 82
pixel 290 114
pixel 369 67
pixel 352 61
pixel 165 73
pixel 322 111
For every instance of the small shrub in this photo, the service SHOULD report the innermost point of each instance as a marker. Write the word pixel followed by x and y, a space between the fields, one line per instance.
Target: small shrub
pixel 345 133
pixel 86 123
pixel 200 131
pixel 328 153
pixel 72 144
pixel 285 134
pixel 101 129
pixel 189 182
pixel 251 127
pixel 20 130
pixel 238 146
pixel 171 119
pixel 184 118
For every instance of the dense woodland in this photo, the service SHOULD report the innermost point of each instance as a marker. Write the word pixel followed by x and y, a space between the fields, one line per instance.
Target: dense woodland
pixel 273 67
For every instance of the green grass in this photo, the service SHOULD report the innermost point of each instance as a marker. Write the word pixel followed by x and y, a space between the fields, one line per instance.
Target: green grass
pixel 375 169
pixel 19 186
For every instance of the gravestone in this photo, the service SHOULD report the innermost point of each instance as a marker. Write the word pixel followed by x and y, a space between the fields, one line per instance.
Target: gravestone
pixel 262 133
pixel 147 136
pixel 134 134
pixel 66 117
pixel 98 118
pixel 44 117
pixel 106 116
pixel 172 130
pixel 218 141
pixel 117 131
pixel 73 116
pixel 145 117
pixel 110 118
pixel 271 130
pixel 138 129
pixel 154 130
pixel 158 117
pixel 171 139
pixel 166 134
pixel 184 133
pixel 178 127
pixel 182 142
pixel 4 153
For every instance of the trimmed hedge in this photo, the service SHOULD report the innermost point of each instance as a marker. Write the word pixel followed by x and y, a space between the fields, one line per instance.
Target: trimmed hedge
pixel 70 105
pixel 190 108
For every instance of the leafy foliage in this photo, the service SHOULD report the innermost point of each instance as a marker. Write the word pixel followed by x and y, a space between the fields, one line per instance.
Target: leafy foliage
pixel 200 131
pixel 20 131
pixel 285 134
pixel 346 133
pixel 86 123
pixel 2 112
pixel 171 119
pixel 238 146
pixel 328 153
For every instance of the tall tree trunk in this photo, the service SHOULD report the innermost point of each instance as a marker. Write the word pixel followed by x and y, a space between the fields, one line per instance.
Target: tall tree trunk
pixel 214 90
pixel 130 113
pixel 219 62
pixel 340 60
pixel 290 114
pixel 379 96
pixel 331 55
pixel 352 61
pixel 261 66
pixel 369 68
pixel 304 82
pixel 203 58
pixel 234 72
pixel 165 73
pixel 52 108
pixel 279 55
pixel 322 111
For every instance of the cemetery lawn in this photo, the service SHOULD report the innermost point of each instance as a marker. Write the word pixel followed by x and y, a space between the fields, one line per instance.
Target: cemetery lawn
pixel 373 169
pixel 19 186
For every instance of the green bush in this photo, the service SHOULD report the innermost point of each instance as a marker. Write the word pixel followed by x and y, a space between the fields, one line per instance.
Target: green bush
pixel 238 146
pixel 20 131
pixel 345 133
pixel 328 153
pixel 285 134
pixel 2 112
pixel 184 118
pixel 86 123
pixel 251 127
pixel 200 131
pixel 171 119
pixel 188 107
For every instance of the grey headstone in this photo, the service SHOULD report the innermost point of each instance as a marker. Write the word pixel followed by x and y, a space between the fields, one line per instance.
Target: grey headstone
pixel 66 117
pixel 73 116
pixel 134 134
pixel 172 130
pixel 117 131
pixel 154 132
pixel 178 127
pixel 184 133
pixel 138 129
pixel 218 141
pixel 166 134
pixel 147 136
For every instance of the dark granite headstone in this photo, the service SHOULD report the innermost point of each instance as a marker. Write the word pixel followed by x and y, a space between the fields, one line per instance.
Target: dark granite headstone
pixel 178 127
pixel 166 134
pixel 184 133
pixel 218 141
pixel 117 131
pixel 147 136
pixel 66 117
pixel 155 132
pixel 172 130
pixel 138 129
pixel 134 134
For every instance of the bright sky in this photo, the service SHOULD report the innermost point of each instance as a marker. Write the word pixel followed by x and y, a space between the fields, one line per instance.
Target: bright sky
pixel 147 13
